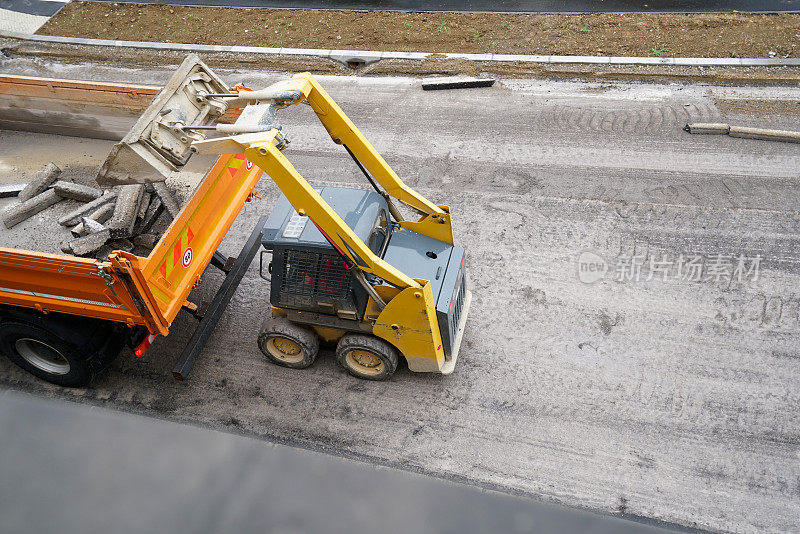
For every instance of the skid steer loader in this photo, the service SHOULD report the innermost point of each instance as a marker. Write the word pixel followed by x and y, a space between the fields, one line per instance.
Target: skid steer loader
pixel 346 266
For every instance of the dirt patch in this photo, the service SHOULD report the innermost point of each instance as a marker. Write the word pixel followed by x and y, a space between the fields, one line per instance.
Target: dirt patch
pixel 757 108
pixel 661 35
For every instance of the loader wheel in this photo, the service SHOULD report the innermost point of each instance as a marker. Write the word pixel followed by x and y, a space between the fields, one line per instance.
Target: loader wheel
pixel 287 343
pixel 44 354
pixel 367 357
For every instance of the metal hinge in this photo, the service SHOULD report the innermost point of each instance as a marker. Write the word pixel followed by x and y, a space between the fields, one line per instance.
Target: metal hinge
pixel 102 273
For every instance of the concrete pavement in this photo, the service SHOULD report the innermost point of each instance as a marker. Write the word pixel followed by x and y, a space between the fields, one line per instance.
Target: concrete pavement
pixel 665 388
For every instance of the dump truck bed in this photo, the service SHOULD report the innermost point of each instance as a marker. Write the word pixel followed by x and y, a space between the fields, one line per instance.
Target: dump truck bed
pixel 136 290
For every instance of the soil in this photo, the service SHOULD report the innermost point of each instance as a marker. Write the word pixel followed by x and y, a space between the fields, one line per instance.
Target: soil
pixel 757 107
pixel 661 35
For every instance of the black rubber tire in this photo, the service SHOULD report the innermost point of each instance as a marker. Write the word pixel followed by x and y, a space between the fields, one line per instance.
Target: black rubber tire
pixel 277 328
pixel 384 350
pixel 80 371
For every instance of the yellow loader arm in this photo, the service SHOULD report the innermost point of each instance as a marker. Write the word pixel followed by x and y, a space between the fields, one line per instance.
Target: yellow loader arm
pixel 344 132
pixel 264 149
pixel 406 313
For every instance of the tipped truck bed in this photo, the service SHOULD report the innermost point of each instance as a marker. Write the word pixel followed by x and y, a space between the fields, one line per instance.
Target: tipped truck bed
pixel 147 291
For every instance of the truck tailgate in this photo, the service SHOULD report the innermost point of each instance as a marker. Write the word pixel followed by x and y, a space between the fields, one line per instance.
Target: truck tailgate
pixel 171 270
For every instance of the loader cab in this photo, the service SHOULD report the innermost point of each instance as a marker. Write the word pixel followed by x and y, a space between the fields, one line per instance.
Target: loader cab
pixel 309 276
pixel 306 271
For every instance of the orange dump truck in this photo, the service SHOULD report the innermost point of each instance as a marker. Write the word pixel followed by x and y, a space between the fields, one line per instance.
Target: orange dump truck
pixel 64 318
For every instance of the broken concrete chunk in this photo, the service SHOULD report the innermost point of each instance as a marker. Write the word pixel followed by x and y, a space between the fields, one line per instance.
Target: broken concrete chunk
pixel 154 211
pixel 90 226
pixel 100 215
pixel 121 244
pixel 16 214
pixel 81 193
pixel 122 222
pixel 39 185
pixel 103 213
pixel 11 190
pixel 74 217
pixel 65 247
pixel 145 240
pixel 144 204
pixel 86 245
pixel 166 197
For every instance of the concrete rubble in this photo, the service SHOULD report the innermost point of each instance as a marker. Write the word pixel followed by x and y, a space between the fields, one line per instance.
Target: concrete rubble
pixel 20 212
pixel 126 210
pixel 83 246
pixel 90 226
pixel 167 198
pixel 100 215
pixel 151 215
pixel 120 218
pixel 74 217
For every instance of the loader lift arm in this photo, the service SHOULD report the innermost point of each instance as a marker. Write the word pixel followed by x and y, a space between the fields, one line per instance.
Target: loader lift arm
pixel 264 149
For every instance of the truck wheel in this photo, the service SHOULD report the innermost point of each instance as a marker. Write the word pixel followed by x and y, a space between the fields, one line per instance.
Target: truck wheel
pixel 367 357
pixel 287 343
pixel 44 354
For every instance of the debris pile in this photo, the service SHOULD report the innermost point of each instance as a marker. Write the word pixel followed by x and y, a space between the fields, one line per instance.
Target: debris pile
pixel 118 218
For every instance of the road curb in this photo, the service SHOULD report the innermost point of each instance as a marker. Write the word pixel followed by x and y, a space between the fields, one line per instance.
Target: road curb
pixel 356 58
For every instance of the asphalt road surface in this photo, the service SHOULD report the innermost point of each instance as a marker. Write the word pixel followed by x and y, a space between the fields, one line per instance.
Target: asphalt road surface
pixel 632 346
pixel 512 6
pixel 147 475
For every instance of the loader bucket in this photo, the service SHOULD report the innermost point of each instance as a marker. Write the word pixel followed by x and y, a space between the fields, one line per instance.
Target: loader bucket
pixel 157 145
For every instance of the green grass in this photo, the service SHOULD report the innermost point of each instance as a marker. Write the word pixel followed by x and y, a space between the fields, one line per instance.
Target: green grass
pixel 659 51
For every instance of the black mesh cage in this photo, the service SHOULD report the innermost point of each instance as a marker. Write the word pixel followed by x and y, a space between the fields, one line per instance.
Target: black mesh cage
pixel 314 281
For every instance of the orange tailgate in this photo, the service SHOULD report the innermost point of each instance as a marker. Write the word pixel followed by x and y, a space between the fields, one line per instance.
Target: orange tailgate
pixel 185 250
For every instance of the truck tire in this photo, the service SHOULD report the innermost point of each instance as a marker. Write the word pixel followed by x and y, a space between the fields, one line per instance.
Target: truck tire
pixel 367 357
pixel 288 344
pixel 44 354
